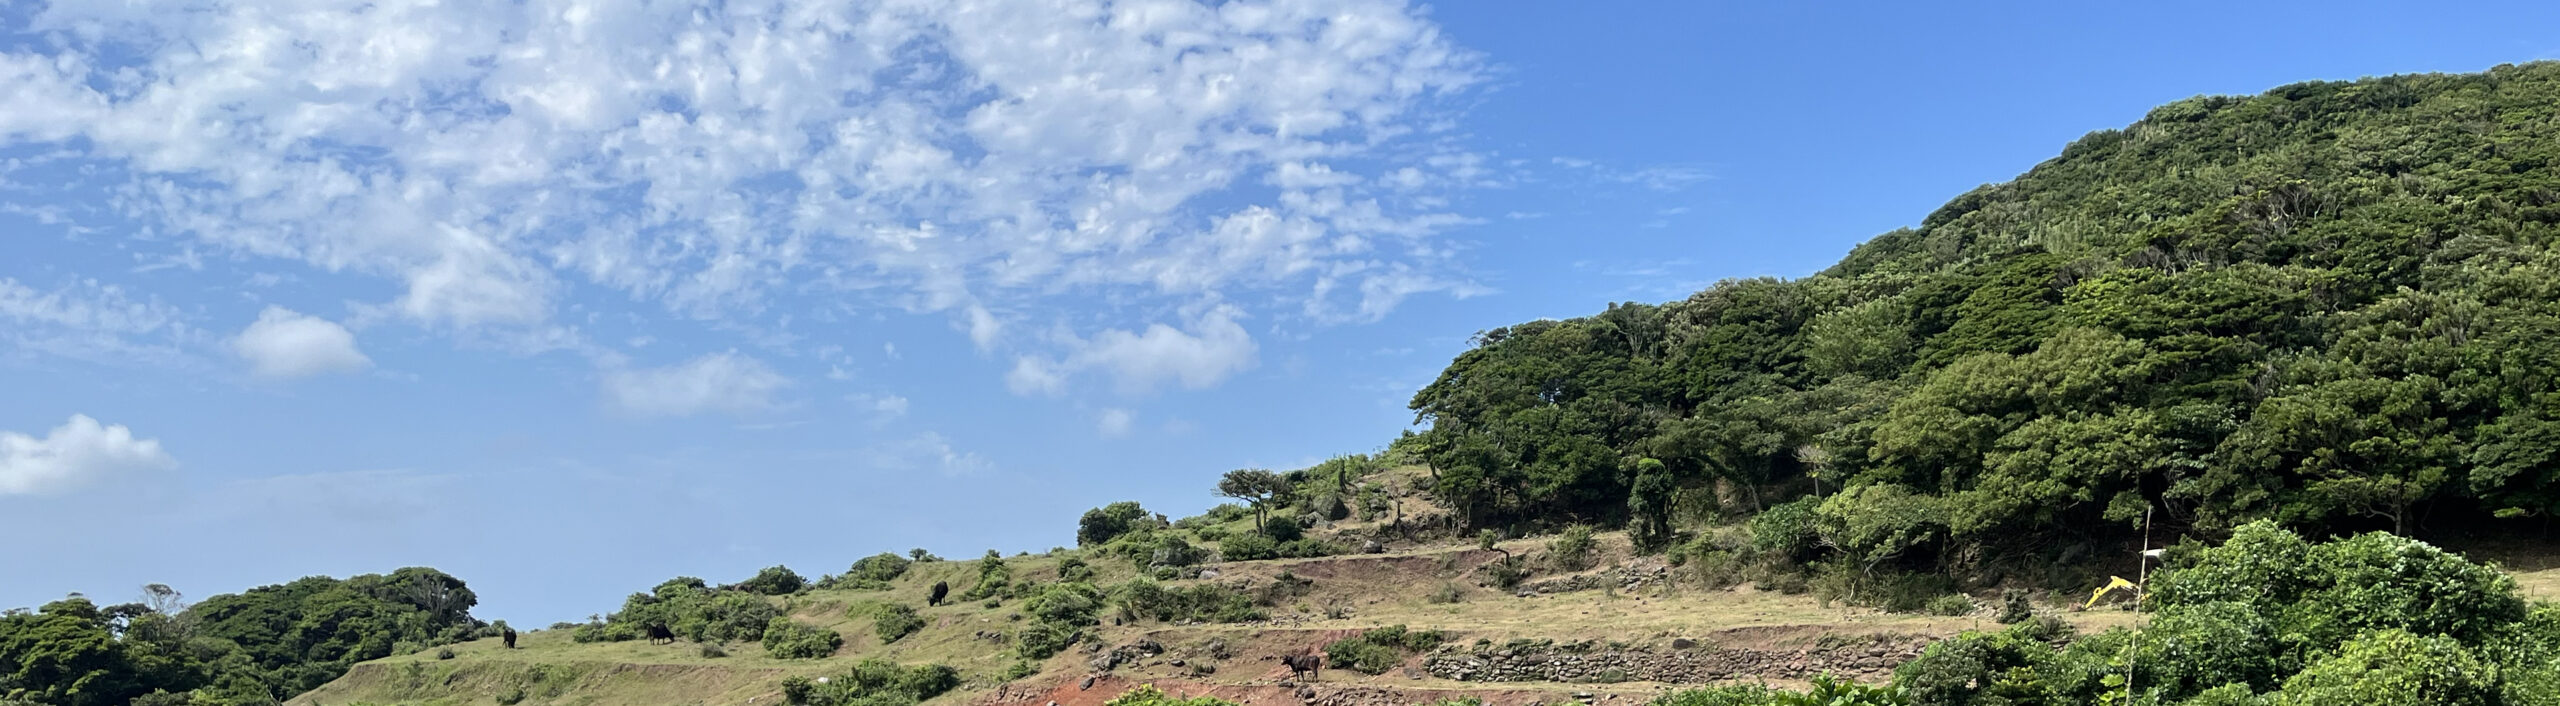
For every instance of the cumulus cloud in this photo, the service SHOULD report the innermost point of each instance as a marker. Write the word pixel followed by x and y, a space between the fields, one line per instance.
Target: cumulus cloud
pixel 978 158
pixel 719 382
pixel 80 452
pixel 284 343
pixel 1215 348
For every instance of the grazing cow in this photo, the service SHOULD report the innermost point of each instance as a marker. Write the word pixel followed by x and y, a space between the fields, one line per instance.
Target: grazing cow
pixel 940 589
pixel 1311 665
pixel 660 632
pixel 509 635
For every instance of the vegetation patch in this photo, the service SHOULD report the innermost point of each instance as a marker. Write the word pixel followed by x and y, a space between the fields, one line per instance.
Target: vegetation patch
pixel 1381 649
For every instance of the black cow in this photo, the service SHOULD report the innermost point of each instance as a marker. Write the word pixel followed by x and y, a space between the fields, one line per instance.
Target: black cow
pixel 660 632
pixel 1311 665
pixel 940 589
pixel 509 635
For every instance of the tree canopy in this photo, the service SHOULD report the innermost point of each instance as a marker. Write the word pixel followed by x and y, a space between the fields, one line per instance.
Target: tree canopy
pixel 2332 305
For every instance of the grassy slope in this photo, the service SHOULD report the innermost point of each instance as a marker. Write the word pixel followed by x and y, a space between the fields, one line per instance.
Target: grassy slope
pixel 1367 590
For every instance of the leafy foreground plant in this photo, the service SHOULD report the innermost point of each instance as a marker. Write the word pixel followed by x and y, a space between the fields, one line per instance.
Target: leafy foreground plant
pixel 874 682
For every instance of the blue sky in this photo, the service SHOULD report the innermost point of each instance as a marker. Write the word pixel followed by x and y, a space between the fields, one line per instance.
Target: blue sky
pixel 568 298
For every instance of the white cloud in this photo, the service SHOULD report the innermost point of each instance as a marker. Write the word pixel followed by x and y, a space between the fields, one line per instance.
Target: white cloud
pixel 79 452
pixel 891 405
pixel 94 321
pixel 1216 348
pixel 494 159
pixel 1115 423
pixel 719 382
pixel 283 343
pixel 928 452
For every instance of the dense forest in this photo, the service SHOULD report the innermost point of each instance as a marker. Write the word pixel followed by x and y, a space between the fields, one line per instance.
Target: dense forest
pixel 256 647
pixel 2335 305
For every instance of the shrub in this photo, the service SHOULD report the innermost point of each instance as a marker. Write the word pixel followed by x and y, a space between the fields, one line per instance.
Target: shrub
pixel 896 620
pixel 1100 525
pixel 1571 550
pixel 1378 650
pixel 1448 592
pixel 785 638
pixel 444 653
pixel 1786 530
pixel 1249 547
pixel 1074 604
pixel 874 682
pixel 1142 598
pixel 1149 695
pixel 1825 691
pixel 1283 529
pixel 2015 607
pixel 713 650
pixel 2395 668
pixel 1363 656
pixel 1074 569
pixel 994 578
pixel 1309 548
pixel 1039 640
pixel 1953 604
pixel 1019 669
pixel 883 567
pixel 1507 573
pixel 774 581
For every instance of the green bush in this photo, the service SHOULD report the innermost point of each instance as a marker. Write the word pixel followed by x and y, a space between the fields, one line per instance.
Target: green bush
pixel 1570 551
pixel 2015 607
pixel 894 621
pixel 774 581
pixel 1040 640
pixel 1825 691
pixel 1102 524
pixel 1074 569
pixel 1283 529
pixel 1787 530
pixel 1249 547
pixel 1309 548
pixel 713 650
pixel 1953 604
pixel 994 578
pixel 1378 650
pixel 874 682
pixel 1363 656
pixel 2395 668
pixel 1149 695
pixel 883 568
pixel 785 638
pixel 1209 603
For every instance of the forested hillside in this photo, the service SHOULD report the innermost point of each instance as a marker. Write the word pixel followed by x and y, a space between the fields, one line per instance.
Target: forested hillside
pixel 2334 305
pixel 255 647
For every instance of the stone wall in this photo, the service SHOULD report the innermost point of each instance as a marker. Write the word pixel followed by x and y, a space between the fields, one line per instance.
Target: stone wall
pixel 1864 657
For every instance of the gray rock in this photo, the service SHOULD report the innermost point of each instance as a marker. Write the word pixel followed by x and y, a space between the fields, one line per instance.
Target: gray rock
pixel 1088 684
pixel 1682 643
